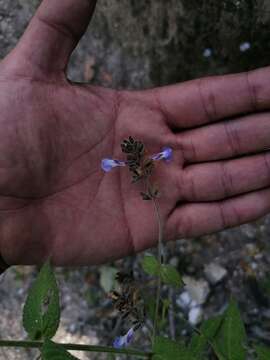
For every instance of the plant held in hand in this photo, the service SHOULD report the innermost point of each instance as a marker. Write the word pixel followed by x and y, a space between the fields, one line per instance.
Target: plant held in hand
pixel 141 165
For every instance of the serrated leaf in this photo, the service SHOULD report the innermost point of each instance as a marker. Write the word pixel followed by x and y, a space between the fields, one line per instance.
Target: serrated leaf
pixel 231 337
pixel 107 277
pixel 41 313
pixel 150 265
pixel 200 342
pixel 166 349
pixel 171 276
pixel 53 351
pixel 263 352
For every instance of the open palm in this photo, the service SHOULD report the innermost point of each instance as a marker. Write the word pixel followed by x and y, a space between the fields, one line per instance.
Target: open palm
pixel 54 198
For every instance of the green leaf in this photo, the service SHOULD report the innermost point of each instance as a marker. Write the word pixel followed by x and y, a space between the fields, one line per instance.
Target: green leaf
pixel 200 342
pixel 166 349
pixel 150 304
pixel 263 352
pixel 107 277
pixel 217 352
pixel 150 265
pixel 168 273
pixel 171 276
pixel 231 337
pixel 41 313
pixel 53 351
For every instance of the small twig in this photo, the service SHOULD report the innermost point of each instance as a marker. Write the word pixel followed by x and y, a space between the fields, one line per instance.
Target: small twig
pixel 171 315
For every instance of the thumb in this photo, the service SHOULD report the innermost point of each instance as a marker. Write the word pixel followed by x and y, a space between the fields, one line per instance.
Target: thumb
pixel 52 35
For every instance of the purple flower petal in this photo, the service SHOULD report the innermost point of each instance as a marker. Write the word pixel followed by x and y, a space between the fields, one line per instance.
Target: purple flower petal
pixel 123 341
pixel 108 164
pixel 165 154
pixel 119 342
pixel 129 335
pixel 157 156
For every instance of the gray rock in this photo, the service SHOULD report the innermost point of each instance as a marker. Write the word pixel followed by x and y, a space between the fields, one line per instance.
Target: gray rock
pixel 195 315
pixel 197 289
pixel 215 273
pixel 184 300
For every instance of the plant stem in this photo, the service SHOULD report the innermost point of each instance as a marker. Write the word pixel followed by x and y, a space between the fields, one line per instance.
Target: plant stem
pixel 78 347
pixel 160 261
pixel 160 256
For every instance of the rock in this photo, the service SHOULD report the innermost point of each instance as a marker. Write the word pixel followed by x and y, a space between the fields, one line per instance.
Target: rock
pixel 214 273
pixel 197 289
pixel 184 300
pixel 207 52
pixel 195 315
pixel 174 261
pixel 244 46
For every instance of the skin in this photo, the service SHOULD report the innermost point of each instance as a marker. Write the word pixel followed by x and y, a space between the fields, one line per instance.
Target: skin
pixel 54 198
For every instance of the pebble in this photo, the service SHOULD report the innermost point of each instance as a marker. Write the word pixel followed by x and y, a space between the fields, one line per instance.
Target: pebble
pixel 174 261
pixel 73 328
pixel 266 313
pixel 207 52
pixel 197 289
pixel 254 266
pixel 244 46
pixel 215 273
pixel 184 300
pixel 20 291
pixel 195 315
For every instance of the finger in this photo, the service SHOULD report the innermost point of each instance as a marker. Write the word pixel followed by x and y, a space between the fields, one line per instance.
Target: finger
pixel 226 139
pixel 53 33
pixel 206 100
pixel 223 179
pixel 198 219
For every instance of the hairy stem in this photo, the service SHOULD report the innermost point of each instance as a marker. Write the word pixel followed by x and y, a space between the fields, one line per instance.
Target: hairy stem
pixel 160 260
pixel 78 347
pixel 160 257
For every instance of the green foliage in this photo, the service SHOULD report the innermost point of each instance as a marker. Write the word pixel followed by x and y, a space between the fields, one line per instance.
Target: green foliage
pixel 165 307
pixel 200 342
pixel 166 349
pixel 169 275
pixel 41 313
pixel 231 337
pixel 150 304
pixel 52 351
pixel 263 352
pixel 150 265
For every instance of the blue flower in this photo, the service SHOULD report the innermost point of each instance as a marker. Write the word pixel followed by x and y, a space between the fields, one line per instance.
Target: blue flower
pixel 165 154
pixel 123 341
pixel 108 164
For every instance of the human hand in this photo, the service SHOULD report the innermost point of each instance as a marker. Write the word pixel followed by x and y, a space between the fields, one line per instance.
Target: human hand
pixel 54 198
